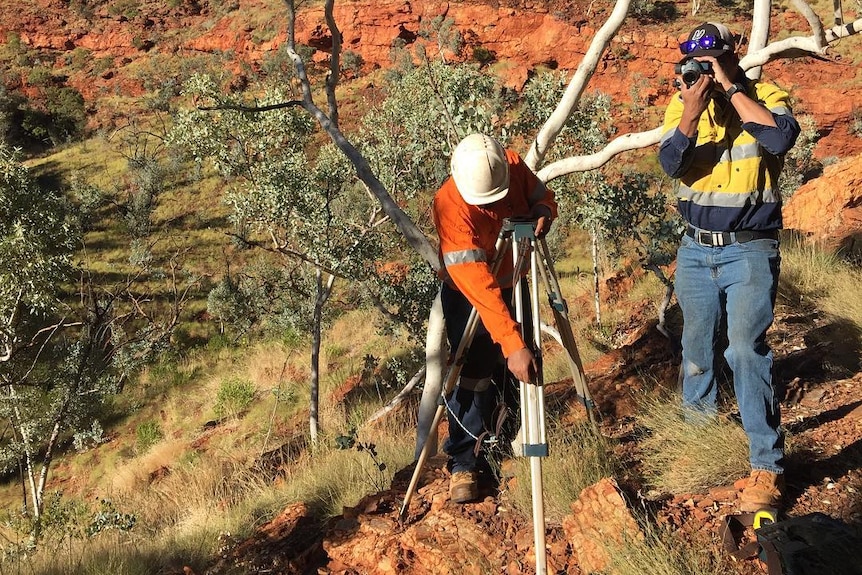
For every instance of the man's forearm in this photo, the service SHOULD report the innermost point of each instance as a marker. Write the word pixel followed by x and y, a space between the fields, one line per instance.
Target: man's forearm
pixel 674 154
pixel 751 110
pixel 777 139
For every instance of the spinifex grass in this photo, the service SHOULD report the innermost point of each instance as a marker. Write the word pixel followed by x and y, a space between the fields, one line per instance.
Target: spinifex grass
pixel 687 452
pixel 578 457
pixel 660 552
pixel 813 274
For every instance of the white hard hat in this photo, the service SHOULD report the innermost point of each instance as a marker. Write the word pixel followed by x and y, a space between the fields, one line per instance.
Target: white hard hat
pixel 480 169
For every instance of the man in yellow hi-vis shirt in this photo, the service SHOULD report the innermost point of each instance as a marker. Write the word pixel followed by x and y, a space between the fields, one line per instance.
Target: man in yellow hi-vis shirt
pixel 724 138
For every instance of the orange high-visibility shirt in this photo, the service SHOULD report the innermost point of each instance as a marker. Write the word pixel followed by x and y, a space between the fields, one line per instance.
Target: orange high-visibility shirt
pixel 468 236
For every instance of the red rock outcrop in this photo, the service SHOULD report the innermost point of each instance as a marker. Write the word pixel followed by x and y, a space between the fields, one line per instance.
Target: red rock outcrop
pixel 828 209
pixel 600 521
pixel 520 36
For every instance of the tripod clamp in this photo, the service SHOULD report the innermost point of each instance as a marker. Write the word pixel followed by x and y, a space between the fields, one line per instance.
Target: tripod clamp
pixel 519 227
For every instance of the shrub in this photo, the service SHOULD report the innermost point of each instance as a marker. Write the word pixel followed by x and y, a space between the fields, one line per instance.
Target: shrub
pixel 352 62
pixel 856 122
pixel 234 396
pixel 800 163
pixel 483 55
pixel 148 434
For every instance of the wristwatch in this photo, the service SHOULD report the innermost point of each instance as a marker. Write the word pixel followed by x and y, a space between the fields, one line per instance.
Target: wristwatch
pixel 734 89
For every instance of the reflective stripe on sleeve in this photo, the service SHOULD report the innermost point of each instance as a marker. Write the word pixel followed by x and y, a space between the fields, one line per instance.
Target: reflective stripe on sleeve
pixel 463 257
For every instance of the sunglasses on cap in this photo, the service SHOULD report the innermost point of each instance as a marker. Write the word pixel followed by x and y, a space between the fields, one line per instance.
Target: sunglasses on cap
pixel 703 43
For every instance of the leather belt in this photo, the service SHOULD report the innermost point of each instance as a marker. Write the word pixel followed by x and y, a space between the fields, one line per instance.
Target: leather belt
pixel 718 239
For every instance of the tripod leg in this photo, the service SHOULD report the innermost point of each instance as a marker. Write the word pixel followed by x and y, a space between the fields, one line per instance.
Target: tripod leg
pixel 533 436
pixel 452 377
pixel 564 327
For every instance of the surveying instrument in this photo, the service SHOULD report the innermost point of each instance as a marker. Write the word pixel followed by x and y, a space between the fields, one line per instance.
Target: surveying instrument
pixel 527 250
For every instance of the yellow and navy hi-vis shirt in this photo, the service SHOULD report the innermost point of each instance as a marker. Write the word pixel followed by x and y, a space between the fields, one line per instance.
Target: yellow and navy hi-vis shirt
pixel 731 182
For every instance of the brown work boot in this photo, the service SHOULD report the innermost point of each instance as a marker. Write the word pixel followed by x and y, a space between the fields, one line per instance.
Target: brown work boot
pixel 763 489
pixel 464 486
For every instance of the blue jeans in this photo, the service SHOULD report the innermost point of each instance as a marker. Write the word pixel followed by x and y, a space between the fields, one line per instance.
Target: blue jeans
pixel 473 414
pixel 739 279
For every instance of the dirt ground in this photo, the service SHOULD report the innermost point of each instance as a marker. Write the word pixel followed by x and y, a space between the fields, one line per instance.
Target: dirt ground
pixel 821 411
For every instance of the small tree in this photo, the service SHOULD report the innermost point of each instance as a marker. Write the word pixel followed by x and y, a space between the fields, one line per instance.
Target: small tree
pixel 634 212
pixel 61 357
pixel 299 207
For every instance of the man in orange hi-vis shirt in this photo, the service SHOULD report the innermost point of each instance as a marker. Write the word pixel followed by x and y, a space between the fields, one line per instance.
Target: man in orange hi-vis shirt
pixel 488 184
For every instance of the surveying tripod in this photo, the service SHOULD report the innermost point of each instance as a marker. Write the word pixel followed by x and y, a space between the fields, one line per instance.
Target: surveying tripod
pixel 527 249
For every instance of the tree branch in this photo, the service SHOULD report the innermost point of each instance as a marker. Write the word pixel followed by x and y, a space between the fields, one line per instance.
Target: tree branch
pixel 241 108
pixel 334 63
pixel 402 221
pixel 799 46
pixel 398 399
pixel 624 143
pixel 554 125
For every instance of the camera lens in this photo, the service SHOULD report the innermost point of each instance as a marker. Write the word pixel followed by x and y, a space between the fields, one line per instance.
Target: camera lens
pixel 690 77
pixel 691 70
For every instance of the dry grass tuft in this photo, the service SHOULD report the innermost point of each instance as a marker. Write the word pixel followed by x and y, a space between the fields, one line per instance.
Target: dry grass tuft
pixel 684 454
pixel 578 457
pixel 661 553
pixel 814 274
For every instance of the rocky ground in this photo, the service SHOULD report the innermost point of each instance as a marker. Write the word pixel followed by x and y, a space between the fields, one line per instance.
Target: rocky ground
pixel 822 413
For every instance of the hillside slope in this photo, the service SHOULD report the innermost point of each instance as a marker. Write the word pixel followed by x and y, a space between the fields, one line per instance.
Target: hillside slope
pixel 113 54
pixel 822 412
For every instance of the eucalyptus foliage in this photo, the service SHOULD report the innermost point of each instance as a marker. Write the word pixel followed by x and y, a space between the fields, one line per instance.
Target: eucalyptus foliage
pixel 36 241
pixel 408 140
pixel 587 129
pixel 635 212
pixel 303 206
pixel 800 164
pixel 409 137
pixel 48 380
pixel 63 354
pixel 239 144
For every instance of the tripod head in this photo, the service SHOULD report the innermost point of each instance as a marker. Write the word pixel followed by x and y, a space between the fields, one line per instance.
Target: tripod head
pixel 510 224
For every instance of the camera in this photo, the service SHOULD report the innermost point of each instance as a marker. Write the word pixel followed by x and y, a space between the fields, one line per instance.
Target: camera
pixel 691 70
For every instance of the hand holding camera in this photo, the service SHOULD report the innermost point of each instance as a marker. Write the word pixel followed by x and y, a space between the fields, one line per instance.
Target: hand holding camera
pixel 691 70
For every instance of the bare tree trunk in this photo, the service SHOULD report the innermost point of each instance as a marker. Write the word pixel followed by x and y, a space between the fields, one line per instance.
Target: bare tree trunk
pixel 569 102
pixel 435 367
pixel 39 495
pixel 665 302
pixel 405 392
pixel 759 33
pixel 28 465
pixel 329 123
pixel 323 293
pixel 594 242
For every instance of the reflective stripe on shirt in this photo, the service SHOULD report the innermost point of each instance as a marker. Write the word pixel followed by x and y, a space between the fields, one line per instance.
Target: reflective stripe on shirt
pixel 463 257
pixel 727 199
